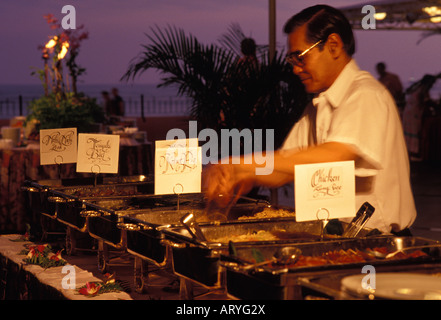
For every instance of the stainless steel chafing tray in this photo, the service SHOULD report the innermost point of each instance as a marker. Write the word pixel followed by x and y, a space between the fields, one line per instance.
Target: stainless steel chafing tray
pixel 273 281
pixel 144 228
pixel 142 216
pixel 104 215
pixel 62 201
pixel 134 223
pixel 46 194
pixel 205 256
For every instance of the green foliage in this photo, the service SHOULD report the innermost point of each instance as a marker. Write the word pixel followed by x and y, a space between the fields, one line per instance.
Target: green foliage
pixel 71 110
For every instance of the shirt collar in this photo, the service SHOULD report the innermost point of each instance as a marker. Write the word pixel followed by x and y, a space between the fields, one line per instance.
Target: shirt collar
pixel 337 91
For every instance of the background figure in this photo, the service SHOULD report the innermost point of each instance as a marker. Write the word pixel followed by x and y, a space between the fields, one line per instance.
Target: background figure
pixel 107 104
pixel 117 103
pixel 393 83
pixel 248 65
pixel 417 107
pixel 248 49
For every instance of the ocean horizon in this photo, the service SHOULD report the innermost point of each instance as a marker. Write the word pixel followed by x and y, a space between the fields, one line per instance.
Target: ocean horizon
pixel 157 101
pixel 94 90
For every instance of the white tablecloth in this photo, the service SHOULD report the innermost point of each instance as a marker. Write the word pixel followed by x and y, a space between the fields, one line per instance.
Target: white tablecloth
pixel 53 276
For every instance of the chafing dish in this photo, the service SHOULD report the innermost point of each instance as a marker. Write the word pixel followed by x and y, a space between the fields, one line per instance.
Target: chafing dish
pixel 63 200
pixel 145 228
pixel 205 269
pixel 46 193
pixel 135 223
pixel 278 281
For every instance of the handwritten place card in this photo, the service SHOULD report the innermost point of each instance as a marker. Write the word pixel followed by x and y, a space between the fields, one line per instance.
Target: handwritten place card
pixel 98 153
pixel 178 166
pixel 324 191
pixel 58 146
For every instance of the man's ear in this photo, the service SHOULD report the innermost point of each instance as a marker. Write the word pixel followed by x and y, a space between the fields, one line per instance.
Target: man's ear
pixel 335 45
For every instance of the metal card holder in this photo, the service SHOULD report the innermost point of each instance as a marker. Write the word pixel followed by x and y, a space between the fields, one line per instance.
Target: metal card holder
pixel 323 221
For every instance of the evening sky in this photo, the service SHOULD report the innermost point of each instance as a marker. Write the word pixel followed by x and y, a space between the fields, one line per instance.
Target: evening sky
pixel 117 30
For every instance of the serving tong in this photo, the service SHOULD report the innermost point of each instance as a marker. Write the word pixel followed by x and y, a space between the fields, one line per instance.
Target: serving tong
pixel 189 222
pixel 361 218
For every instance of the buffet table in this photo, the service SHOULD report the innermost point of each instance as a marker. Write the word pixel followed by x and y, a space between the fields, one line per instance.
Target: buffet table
pixel 21 281
pixel 20 164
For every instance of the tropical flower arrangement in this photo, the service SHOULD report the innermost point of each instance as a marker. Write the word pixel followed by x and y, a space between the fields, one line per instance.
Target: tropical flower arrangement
pixel 62 105
pixel 42 255
pixel 92 289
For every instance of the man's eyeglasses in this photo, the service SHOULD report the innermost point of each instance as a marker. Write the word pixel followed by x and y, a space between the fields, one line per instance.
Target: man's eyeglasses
pixel 296 58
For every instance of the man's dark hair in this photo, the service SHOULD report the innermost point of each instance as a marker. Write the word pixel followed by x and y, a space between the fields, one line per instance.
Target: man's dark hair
pixel 321 21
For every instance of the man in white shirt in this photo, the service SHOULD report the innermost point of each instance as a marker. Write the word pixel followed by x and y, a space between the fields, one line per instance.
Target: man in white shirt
pixel 352 117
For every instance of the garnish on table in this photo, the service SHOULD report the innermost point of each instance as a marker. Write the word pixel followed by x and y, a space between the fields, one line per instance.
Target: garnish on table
pixel 42 255
pixel 94 288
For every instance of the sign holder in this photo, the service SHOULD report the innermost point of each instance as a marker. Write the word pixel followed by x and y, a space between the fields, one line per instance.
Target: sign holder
pixel 59 163
pixel 324 221
pixel 178 193
pixel 95 173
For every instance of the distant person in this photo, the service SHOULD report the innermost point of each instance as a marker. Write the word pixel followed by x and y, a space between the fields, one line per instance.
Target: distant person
pixel 417 107
pixel 248 49
pixel 107 103
pixel 117 103
pixel 248 65
pixel 393 83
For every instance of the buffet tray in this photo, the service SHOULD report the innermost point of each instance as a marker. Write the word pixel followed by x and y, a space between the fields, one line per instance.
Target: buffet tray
pixel 46 196
pixel 106 215
pixel 206 255
pixel 280 282
pixel 143 217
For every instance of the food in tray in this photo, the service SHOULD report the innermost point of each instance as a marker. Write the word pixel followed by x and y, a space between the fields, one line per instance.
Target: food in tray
pixel 347 257
pixel 266 235
pixel 261 235
pixel 266 213
pixel 104 192
pixel 270 213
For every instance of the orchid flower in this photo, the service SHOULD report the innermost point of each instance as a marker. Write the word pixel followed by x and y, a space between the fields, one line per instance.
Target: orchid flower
pixel 90 289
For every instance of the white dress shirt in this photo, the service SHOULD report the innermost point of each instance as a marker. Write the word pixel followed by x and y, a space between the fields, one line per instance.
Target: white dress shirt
pixel 359 111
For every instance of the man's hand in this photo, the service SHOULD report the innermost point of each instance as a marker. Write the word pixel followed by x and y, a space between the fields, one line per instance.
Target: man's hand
pixel 222 182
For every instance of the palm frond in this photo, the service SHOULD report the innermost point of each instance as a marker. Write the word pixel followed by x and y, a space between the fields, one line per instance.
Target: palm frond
pixel 263 95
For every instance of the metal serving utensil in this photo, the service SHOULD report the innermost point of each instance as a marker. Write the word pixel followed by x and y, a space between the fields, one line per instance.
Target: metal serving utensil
pixel 189 222
pixel 361 218
pixel 282 257
pixel 381 255
pixel 287 255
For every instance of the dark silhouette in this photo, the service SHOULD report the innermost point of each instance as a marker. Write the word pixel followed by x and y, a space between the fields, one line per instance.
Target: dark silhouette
pixel 118 108
pixel 393 83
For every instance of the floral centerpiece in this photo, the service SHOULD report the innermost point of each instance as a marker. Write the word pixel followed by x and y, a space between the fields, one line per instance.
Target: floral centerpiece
pixel 62 106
